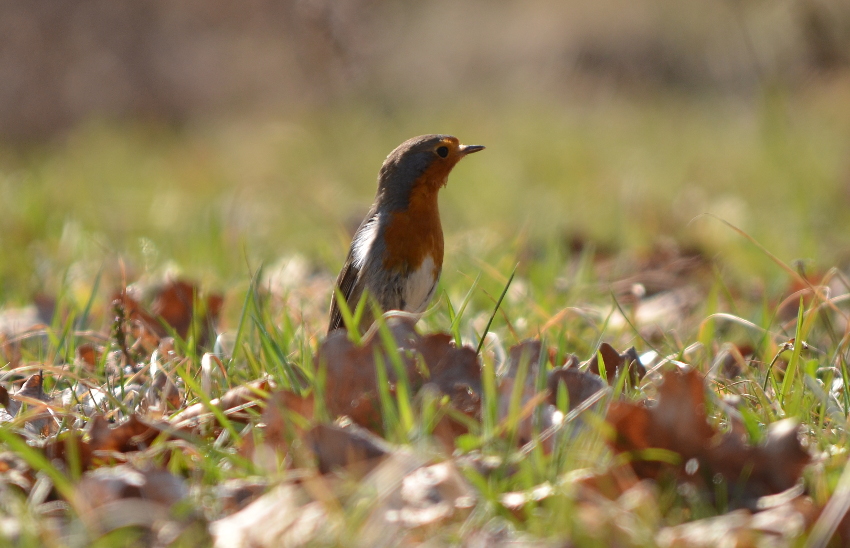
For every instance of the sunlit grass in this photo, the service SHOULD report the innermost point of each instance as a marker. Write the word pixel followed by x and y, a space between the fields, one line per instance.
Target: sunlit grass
pixel 218 200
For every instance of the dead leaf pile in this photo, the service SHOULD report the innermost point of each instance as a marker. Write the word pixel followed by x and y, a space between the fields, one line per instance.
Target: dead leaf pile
pixel 176 306
pixel 309 456
pixel 677 422
pixel 351 381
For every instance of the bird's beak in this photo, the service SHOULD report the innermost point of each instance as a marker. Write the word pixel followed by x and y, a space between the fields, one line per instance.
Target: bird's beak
pixel 469 149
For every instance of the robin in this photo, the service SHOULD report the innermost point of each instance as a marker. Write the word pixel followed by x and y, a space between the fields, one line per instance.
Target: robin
pixel 396 255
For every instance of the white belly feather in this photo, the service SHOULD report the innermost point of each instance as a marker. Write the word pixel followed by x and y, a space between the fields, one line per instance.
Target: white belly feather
pixel 420 286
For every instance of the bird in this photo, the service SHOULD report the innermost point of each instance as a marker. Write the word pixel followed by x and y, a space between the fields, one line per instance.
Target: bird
pixel 396 255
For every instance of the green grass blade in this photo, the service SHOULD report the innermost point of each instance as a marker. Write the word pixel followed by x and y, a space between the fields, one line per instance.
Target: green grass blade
pixel 495 310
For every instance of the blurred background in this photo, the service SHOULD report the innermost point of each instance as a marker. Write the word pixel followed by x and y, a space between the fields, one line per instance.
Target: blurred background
pixel 209 137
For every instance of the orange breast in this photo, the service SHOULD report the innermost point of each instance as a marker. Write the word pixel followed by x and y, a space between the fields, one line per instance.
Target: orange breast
pixel 415 234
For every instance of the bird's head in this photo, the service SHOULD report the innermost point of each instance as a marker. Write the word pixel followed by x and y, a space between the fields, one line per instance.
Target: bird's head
pixel 423 161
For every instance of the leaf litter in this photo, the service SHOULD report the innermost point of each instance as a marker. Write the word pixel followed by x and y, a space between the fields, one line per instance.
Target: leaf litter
pixel 400 439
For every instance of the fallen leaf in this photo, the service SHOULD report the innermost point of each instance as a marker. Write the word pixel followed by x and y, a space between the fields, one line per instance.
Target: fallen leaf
pixel 351 381
pixel 521 412
pixel 31 394
pixel 432 495
pixel 732 360
pixel 783 525
pixel 457 374
pixel 14 471
pixel 677 423
pixel 285 419
pixel 31 390
pixel 176 303
pixel 147 500
pixel 234 494
pixel 351 375
pixel 104 443
pixel 348 446
pixel 249 394
pixel 730 529
pixel 285 516
pixel 88 356
pixel 615 363
pixel 580 385
pixel 385 524
pixel 525 353
pixel 107 484
pixel 162 394
pixel 456 371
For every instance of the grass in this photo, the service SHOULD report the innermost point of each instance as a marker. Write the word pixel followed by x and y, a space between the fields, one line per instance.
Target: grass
pixel 223 203
pixel 217 200
pixel 275 347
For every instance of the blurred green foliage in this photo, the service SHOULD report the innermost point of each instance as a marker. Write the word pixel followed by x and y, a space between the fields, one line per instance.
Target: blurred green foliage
pixel 215 200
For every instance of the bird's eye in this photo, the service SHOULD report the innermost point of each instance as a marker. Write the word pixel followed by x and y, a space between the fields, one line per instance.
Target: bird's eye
pixel 443 151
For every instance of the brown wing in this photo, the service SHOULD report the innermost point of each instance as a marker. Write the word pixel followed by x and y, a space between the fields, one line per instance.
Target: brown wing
pixel 346 282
